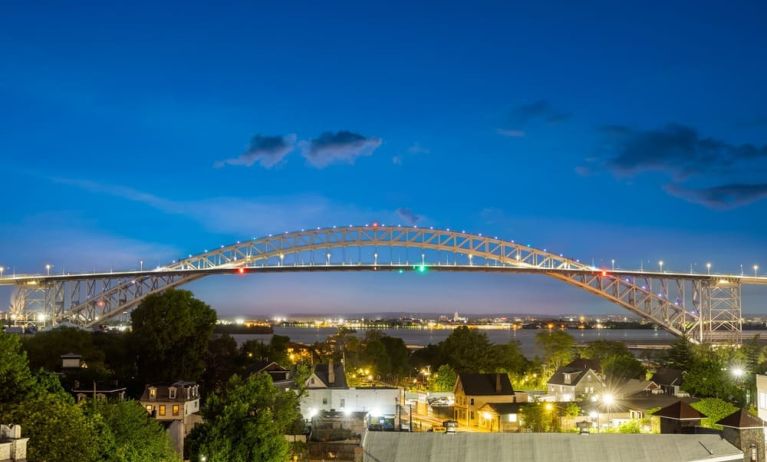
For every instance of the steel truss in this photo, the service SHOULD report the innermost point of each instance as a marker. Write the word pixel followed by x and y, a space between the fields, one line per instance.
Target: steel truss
pixel 700 307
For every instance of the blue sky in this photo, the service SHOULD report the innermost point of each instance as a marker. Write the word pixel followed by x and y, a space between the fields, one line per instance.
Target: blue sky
pixel 634 131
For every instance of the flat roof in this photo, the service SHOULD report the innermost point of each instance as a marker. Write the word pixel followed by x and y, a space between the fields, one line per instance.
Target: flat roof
pixel 571 447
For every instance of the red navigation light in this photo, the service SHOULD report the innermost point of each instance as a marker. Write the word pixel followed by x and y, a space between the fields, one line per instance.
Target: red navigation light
pixel 241 270
pixel 604 273
pixel 375 224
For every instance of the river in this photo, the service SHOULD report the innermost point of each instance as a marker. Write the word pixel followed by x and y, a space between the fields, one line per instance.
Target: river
pixel 423 337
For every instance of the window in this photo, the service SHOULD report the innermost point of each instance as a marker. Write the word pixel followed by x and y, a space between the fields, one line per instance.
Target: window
pixel 175 409
pixel 162 409
pixel 324 401
pixel 472 415
pixel 152 393
pixel 149 408
pixel 172 392
pixel 343 402
pixel 762 400
pixel 472 403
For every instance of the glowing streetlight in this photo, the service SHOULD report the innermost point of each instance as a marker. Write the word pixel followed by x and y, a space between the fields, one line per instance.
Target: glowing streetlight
pixel 48 269
pixel 613 263
pixel 608 399
pixel 2 269
pixel 737 372
pixel 660 264
pixel 141 265
pixel 708 267
pixel 375 259
pixel 327 257
pixel 756 269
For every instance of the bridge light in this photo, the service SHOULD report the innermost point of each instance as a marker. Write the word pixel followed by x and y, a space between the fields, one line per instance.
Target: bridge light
pixel 708 268
pixel 604 273
pixel 241 270
pixel 756 269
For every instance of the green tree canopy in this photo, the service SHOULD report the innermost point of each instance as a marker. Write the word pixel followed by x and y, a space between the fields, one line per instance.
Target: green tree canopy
pixel 615 358
pixel 171 331
pixel 558 347
pixel 468 350
pixel 135 437
pixel 246 423
pixel 443 379
pixel 16 380
pixel 509 358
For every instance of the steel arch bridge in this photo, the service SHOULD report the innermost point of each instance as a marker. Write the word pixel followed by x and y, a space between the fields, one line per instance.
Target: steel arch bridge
pixel 704 308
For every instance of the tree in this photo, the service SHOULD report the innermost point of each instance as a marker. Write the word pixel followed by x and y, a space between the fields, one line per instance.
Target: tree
pixel 45 348
pixel 135 436
pixel 443 379
pixel 509 358
pixel 540 417
pixel 615 358
pixel 710 378
pixel 16 380
pixel 557 346
pixel 222 360
pixel 714 409
pixel 398 355
pixel 245 423
pixel 171 331
pixel 278 349
pixel 377 357
pixel 467 350
pixel 680 356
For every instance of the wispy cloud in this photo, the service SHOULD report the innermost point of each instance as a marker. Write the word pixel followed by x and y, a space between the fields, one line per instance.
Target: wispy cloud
pixel 267 151
pixel 338 147
pixel 537 112
pixel 249 217
pixel 413 149
pixel 87 247
pixel 703 170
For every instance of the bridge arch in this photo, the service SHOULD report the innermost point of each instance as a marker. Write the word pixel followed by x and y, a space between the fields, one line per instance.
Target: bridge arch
pixel 673 302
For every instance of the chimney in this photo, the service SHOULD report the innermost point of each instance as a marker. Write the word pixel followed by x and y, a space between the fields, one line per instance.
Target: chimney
pixel 331 373
pixel 498 383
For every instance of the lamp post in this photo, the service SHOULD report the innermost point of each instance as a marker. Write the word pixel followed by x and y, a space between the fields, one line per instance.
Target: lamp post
pixel 48 269
pixel 2 270
pixel 756 270
pixel 612 261
pixel 660 264
pixel 708 267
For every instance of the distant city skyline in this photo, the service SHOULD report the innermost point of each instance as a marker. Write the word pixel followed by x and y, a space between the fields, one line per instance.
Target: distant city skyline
pixel 626 135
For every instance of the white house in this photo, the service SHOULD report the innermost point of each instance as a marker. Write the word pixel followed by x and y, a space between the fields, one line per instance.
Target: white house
pixel 761 395
pixel 12 446
pixel 326 389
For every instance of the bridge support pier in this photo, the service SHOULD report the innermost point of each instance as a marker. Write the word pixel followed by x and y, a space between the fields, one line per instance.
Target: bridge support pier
pixel 720 309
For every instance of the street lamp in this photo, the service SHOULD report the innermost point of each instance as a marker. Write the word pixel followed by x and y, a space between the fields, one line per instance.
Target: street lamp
pixel 327 256
pixel 756 269
pixel 141 265
pixel 2 269
pixel 613 263
pixel 737 372
pixel 708 267
pixel 48 269
pixel 660 264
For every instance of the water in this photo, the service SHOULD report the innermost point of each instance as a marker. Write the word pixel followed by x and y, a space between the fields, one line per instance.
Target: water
pixel 423 337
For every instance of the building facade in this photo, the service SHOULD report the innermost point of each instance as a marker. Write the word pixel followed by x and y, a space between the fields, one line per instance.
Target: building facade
pixel 473 391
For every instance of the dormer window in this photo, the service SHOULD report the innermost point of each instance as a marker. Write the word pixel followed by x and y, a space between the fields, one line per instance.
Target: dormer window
pixel 172 392
pixel 568 379
pixel 152 393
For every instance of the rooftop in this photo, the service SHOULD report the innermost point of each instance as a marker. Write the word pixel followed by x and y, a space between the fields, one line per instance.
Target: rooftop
pixel 679 411
pixel 571 447
pixel 485 384
pixel 741 419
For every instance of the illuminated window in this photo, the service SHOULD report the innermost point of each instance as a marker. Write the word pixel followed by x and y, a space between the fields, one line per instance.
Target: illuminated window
pixel 172 392
pixel 149 409
pixel 152 392
pixel 175 409
pixel 162 409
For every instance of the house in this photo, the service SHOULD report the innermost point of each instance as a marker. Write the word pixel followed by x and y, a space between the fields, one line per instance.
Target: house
pixel 72 361
pixel 337 436
pixel 545 447
pixel 761 395
pixel 632 387
pixel 101 391
pixel 280 376
pixel 327 376
pixel 670 380
pixel 745 432
pixel 575 380
pixel 13 448
pixel 327 390
pixel 472 391
pixel 501 417
pixel 175 406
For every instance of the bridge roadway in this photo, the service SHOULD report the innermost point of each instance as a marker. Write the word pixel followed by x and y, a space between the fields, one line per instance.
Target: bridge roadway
pixel 35 279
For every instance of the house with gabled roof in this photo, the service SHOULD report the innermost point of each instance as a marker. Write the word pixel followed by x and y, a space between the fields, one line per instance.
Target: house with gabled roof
pixel 577 379
pixel 473 390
